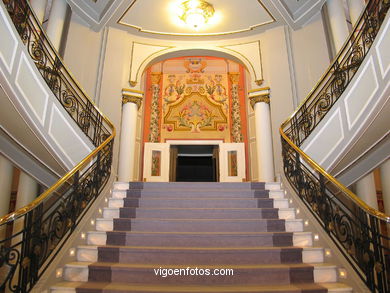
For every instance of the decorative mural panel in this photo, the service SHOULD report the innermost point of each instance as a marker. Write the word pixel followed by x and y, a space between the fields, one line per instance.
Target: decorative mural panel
pixel 195 98
pixel 156 163
pixel 232 163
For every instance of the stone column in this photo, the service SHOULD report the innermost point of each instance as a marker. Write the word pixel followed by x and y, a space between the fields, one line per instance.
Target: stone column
pixel 131 102
pixel 355 9
pixel 27 190
pixel 365 189
pixel 259 100
pixel 6 174
pixel 55 24
pixel 39 7
pixel 385 181
pixel 337 22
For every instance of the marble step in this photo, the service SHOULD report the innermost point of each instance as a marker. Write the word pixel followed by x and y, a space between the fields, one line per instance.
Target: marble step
pixel 199 213
pixel 93 287
pixel 200 255
pixel 196 185
pixel 278 274
pixel 212 239
pixel 199 225
pixel 195 193
pixel 198 203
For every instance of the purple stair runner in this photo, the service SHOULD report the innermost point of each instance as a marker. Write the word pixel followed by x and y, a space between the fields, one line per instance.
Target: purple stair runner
pixel 202 226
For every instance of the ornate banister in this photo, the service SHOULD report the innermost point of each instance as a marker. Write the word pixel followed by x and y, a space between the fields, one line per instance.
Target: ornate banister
pixel 360 231
pixel 36 232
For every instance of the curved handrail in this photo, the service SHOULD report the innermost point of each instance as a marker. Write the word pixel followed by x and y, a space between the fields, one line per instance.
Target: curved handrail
pixel 41 227
pixel 354 226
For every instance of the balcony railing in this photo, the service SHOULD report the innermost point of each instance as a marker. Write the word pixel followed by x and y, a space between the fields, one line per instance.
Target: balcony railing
pixel 359 231
pixel 36 232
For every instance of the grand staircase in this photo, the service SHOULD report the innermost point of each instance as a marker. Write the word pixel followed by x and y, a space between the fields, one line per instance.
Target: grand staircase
pixel 246 229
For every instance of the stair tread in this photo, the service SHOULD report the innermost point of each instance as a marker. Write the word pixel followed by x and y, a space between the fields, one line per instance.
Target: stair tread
pixel 203 233
pixel 200 247
pixel 189 248
pixel 197 288
pixel 198 209
pixel 208 266
pixel 201 220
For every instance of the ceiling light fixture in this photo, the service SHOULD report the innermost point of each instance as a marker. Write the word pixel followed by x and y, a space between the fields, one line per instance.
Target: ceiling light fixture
pixel 196 13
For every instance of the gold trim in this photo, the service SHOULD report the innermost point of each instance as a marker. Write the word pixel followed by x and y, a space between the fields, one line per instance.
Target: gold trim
pixel 134 82
pixel 127 98
pixel 259 82
pixel 243 56
pixel 234 77
pixel 140 29
pixel 259 89
pixel 133 91
pixel 259 99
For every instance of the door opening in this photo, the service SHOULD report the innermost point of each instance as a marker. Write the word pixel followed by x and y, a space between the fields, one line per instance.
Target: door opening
pixel 194 163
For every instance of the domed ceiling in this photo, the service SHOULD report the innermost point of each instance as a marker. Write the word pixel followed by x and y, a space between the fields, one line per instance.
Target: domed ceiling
pixel 161 18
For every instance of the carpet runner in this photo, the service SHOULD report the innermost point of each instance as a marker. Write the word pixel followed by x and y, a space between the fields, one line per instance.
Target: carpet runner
pixel 199 237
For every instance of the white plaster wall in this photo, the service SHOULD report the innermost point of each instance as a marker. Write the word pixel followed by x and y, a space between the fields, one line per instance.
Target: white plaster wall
pixel 36 105
pixel 358 107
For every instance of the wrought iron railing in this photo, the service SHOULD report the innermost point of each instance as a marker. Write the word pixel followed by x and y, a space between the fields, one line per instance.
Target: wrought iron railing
pixel 360 232
pixel 35 233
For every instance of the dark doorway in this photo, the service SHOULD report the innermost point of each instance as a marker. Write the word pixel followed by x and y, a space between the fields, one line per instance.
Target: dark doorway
pixel 194 163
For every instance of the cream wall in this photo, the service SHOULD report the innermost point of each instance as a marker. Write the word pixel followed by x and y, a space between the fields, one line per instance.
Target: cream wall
pixel 82 54
pixel 309 54
pixel 277 77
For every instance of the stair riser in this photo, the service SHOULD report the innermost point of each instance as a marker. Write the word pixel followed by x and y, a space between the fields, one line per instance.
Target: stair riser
pixel 241 276
pixel 226 194
pixel 199 240
pixel 247 276
pixel 180 256
pixel 153 239
pixel 199 203
pixel 199 225
pixel 201 214
pixel 200 257
pixel 195 185
pixel 204 290
pixel 110 213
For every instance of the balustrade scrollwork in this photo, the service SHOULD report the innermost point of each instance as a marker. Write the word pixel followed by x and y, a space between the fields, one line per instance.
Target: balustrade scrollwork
pixel 359 231
pixel 35 233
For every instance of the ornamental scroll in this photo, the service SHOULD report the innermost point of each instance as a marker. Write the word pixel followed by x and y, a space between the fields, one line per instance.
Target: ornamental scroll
pixel 196 98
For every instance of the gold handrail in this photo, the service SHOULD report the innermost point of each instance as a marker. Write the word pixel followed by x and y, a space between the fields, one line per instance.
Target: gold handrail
pixel 345 190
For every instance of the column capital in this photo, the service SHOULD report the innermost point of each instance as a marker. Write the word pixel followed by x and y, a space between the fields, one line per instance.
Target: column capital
pixel 260 95
pixel 132 96
pixel 234 77
pixel 156 77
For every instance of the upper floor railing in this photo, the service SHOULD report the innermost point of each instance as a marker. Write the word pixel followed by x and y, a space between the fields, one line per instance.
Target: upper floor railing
pixel 360 231
pixel 35 233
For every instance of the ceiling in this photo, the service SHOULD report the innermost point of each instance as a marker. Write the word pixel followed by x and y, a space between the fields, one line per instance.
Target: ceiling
pixel 162 17
pixel 159 18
